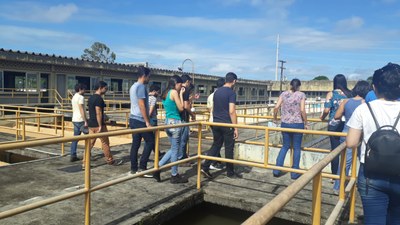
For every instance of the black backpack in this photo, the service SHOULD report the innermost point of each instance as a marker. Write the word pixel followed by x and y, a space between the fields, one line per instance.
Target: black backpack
pixel 382 155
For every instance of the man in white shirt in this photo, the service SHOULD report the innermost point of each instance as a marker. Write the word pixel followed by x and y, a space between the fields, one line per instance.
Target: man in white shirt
pixel 78 116
pixel 210 105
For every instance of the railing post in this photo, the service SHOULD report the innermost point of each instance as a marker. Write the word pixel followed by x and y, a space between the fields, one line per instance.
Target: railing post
pixel 126 119
pixel 245 113
pixel 342 174
pixel 266 147
pixel 353 190
pixel 316 203
pixel 156 149
pixel 87 182
pixel 23 129
pixel 199 157
pixel 62 134
pixel 55 124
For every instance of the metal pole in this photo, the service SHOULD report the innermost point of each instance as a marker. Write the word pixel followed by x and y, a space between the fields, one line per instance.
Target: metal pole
pixel 282 68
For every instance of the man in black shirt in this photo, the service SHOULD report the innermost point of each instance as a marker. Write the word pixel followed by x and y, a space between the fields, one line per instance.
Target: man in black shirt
pixel 224 112
pixel 97 123
pixel 186 114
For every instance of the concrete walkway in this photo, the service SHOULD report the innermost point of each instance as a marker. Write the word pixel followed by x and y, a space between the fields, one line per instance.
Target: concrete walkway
pixel 142 200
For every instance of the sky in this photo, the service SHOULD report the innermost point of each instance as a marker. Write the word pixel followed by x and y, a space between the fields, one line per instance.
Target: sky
pixel 350 37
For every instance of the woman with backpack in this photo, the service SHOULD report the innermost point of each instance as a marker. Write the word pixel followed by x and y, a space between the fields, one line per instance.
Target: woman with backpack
pixel 346 109
pixel 379 186
pixel 332 102
pixel 293 115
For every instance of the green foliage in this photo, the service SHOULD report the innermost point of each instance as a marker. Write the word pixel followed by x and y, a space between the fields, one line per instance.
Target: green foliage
pixel 99 52
pixel 369 78
pixel 321 78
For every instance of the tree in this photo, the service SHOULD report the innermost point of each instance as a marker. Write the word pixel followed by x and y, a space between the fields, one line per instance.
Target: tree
pixel 99 52
pixel 369 79
pixel 321 78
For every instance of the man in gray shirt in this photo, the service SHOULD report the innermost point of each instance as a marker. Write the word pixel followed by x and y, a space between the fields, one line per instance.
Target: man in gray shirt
pixel 139 118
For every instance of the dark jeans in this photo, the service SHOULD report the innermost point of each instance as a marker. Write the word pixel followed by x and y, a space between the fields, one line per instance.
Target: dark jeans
pixel 288 138
pixel 222 135
pixel 136 141
pixel 184 141
pixel 77 132
pixel 335 141
pixel 380 197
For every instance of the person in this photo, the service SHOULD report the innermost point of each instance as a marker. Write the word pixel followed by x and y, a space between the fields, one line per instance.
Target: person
pixel 79 120
pixel 380 194
pixel 186 115
pixel 332 102
pixel 224 112
pixel 154 91
pixel 216 165
pixel 139 118
pixel 346 109
pixel 97 123
pixel 172 99
pixel 293 115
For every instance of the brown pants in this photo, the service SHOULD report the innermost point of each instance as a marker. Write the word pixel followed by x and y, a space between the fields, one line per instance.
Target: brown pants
pixel 105 142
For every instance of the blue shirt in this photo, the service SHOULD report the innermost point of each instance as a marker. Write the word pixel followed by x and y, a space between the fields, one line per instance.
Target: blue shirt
pixel 370 96
pixel 136 92
pixel 222 97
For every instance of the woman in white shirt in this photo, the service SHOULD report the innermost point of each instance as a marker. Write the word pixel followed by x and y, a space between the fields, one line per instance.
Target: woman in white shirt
pixel 380 194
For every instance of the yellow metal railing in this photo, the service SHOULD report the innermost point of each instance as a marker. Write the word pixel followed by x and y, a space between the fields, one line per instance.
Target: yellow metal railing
pixel 315 173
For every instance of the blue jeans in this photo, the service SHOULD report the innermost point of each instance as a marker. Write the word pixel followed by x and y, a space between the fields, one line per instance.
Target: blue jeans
pixel 136 141
pixel 349 158
pixel 184 141
pixel 289 137
pixel 335 141
pixel 380 197
pixel 174 136
pixel 77 132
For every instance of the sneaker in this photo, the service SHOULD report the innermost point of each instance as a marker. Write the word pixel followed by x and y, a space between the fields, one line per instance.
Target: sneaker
pixel 178 179
pixel 157 176
pixel 234 176
pixel 206 173
pixel 216 166
pixel 146 175
pixel 74 159
pixel 116 162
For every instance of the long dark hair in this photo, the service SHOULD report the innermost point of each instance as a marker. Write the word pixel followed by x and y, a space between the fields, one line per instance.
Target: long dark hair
pixel 175 79
pixel 340 82
pixel 295 85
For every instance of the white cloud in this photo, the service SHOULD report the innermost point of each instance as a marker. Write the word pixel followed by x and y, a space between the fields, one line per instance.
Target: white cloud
pixel 32 37
pixel 34 12
pixel 349 24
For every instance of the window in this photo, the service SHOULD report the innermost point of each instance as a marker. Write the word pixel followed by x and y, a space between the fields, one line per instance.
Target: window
pixel 1 80
pixel 94 80
pixel 241 91
pixel 213 89
pixel 20 82
pixel 253 92
pixel 261 92
pixel 71 82
pixel 32 82
pixel 125 85
pixel 202 89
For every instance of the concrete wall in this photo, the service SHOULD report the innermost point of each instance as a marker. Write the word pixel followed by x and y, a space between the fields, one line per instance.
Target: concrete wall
pixel 255 153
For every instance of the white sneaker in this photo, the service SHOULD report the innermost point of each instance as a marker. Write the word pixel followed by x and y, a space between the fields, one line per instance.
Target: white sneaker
pixel 212 167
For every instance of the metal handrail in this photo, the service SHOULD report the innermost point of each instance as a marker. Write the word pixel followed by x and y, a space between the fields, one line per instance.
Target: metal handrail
pixel 314 173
